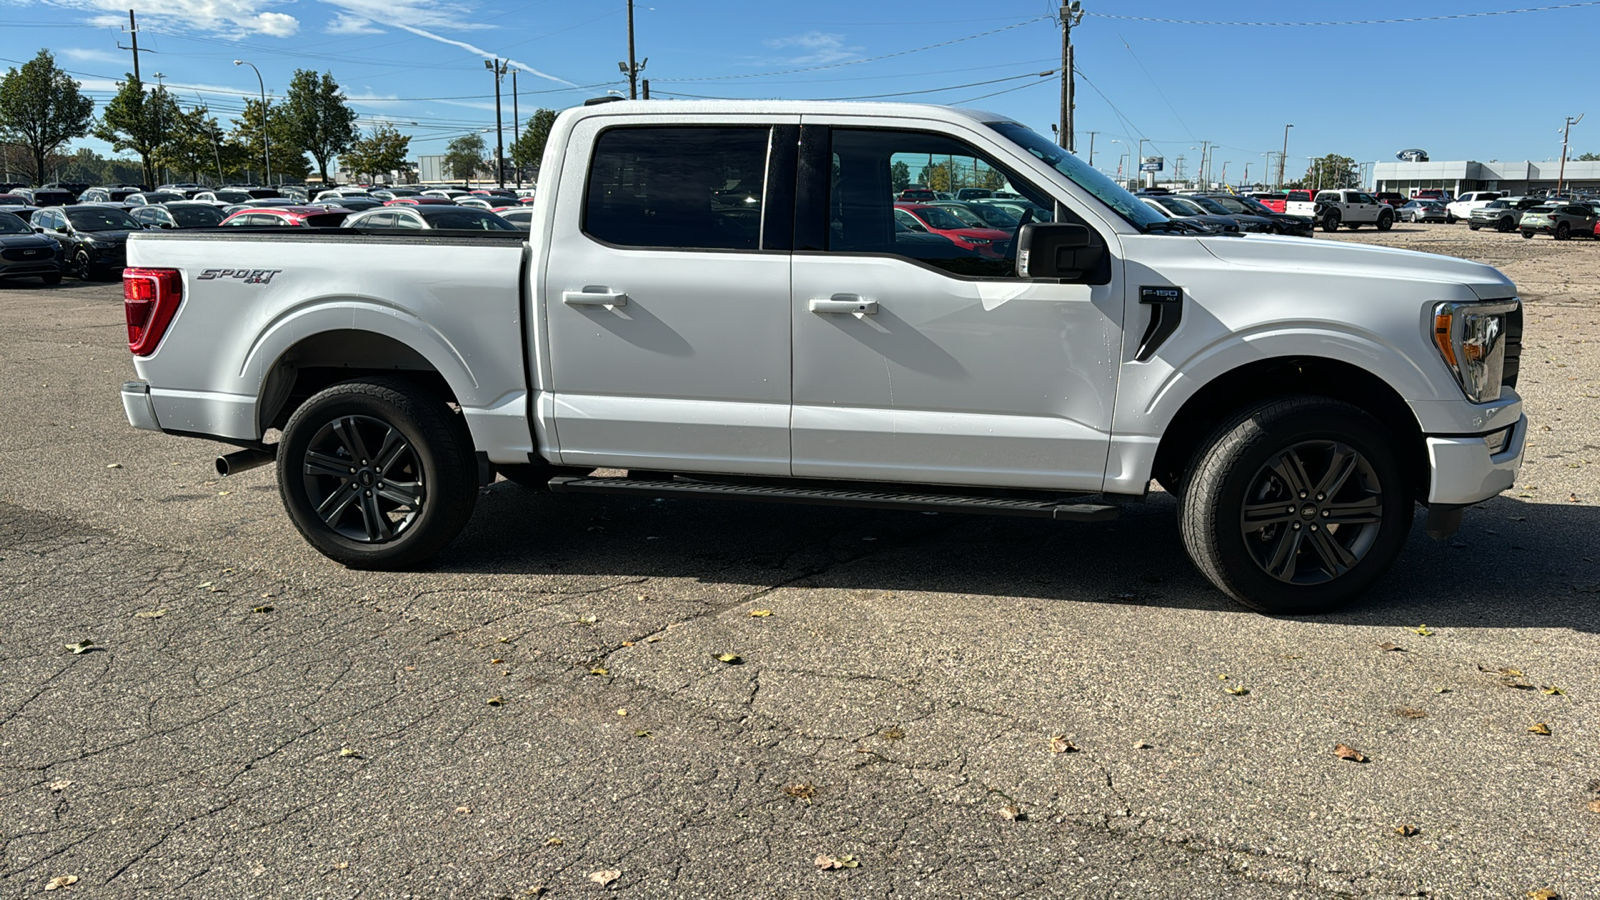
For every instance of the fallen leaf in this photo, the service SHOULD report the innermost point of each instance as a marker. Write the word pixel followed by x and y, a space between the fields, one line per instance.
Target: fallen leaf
pixel 1543 894
pixel 57 787
pixel 1222 678
pixel 1423 630
pixel 348 753
pixel 1441 690
pixel 826 862
pixel 151 613
pixel 1059 744
pixel 1388 647
pixel 1572 498
pixel 1142 745
pixel 1507 671
pixel 554 842
pixel 1237 691
pixel 627 643
pixel 588 620
pixel 642 733
pixel 1011 813
pixel 495 701
pixel 61 881
pixel 1344 751
pixel 732 659
pixel 1594 806
pixel 1407 830
pixel 760 613
pixel 1409 712
pixel 604 877
pixel 114 466
pixel 1539 728
pixel 599 670
pixel 622 712
pixel 803 791
pixel 463 810
pixel 80 647
pixel 1553 691
pixel 495 662
pixel 262 609
pixel 891 734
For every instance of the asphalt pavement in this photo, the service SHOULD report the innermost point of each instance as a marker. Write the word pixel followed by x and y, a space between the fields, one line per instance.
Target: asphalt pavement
pixel 697 699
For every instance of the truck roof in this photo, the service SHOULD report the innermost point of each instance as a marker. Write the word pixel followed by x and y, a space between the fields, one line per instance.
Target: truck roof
pixel 693 109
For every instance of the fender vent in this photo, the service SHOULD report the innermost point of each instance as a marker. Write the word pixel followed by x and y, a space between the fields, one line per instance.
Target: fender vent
pixel 1508 376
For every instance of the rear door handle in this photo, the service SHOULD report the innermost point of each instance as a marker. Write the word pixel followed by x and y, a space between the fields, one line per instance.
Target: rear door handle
pixel 844 303
pixel 594 298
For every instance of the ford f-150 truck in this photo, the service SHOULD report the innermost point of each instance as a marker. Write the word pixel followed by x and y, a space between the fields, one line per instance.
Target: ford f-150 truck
pixel 714 298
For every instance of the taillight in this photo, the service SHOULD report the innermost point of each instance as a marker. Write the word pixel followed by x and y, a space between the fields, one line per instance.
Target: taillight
pixel 150 298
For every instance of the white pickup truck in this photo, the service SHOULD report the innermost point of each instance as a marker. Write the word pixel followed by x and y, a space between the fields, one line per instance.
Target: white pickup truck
pixel 715 298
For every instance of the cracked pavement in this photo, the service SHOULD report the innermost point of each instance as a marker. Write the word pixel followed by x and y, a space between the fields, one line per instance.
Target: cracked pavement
pixel 902 692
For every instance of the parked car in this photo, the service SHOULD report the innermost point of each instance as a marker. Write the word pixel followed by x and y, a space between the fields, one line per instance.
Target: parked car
pixel 917 193
pixel 421 200
pixel 1279 223
pixel 1439 194
pixel 446 193
pixel 1248 220
pixel 232 196
pixel 968 193
pixel 179 214
pixel 1560 221
pixel 1503 214
pixel 1395 200
pixel 1019 208
pixel 24 253
pixel 1352 209
pixel 1276 201
pixel 474 203
pixel 395 192
pixel 93 238
pixel 151 198
pixel 430 216
pixel 986 241
pixel 1300 203
pixel 992 215
pixel 187 188
pixel 262 203
pixel 47 196
pixel 13 200
pixel 520 216
pixel 1423 211
pixel 1462 206
pixel 339 193
pixel 1176 207
pixel 287 217
pixel 353 203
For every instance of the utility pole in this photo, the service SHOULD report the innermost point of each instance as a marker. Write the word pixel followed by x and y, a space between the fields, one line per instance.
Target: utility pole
pixel 133 32
pixel 1566 132
pixel 499 69
pixel 516 122
pixel 646 84
pixel 631 68
pixel 1091 148
pixel 1205 165
pixel 1285 157
pixel 1071 14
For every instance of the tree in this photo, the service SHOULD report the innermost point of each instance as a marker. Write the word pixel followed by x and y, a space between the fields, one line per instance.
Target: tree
pixel 384 151
pixel 528 149
pixel 41 109
pixel 319 120
pixel 139 121
pixel 1332 171
pixel 288 157
pixel 1589 157
pixel 195 145
pixel 899 176
pixel 464 156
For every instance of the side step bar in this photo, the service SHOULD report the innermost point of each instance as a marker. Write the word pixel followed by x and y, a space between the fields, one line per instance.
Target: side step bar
pixel 956 503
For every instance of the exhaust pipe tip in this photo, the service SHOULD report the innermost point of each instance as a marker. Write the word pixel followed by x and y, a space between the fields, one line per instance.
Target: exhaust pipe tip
pixel 244 461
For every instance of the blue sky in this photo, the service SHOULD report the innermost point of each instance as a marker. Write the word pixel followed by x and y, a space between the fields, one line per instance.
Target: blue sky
pixel 1362 90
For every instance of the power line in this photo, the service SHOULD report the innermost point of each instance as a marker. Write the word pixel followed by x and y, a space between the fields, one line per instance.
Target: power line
pixel 1438 18
pixel 998 93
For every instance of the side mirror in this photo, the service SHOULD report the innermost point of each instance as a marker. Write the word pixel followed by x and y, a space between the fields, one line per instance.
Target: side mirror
pixel 61 229
pixel 1060 251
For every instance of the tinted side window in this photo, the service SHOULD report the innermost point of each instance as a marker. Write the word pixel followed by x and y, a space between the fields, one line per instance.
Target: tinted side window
pixel 688 188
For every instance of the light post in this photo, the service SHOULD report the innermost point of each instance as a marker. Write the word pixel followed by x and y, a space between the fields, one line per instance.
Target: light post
pixel 1283 159
pixel 266 142
pixel 499 69
pixel 1566 132
pixel 1141 162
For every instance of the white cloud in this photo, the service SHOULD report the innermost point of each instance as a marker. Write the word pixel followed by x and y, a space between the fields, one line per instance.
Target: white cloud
pixel 230 18
pixel 348 24
pixel 80 54
pixel 817 48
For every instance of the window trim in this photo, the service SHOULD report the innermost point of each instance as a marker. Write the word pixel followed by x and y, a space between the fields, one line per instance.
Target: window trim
pixel 773 176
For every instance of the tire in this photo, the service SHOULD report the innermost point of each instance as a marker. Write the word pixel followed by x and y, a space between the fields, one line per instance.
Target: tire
pixel 1563 232
pixel 398 523
pixel 1527 235
pixel 1473 227
pixel 1385 222
pixel 81 267
pixel 1505 225
pixel 1330 220
pixel 1255 550
pixel 1450 220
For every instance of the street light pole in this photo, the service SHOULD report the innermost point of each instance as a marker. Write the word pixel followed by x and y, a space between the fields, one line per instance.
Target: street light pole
pixel 266 141
pixel 1565 133
pixel 499 69
pixel 1282 160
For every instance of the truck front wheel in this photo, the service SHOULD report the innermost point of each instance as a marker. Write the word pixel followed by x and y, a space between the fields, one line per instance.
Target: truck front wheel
pixel 377 474
pixel 1296 506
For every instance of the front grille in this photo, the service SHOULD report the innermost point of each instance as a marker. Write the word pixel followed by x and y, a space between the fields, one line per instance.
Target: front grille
pixel 1513 344
pixel 27 254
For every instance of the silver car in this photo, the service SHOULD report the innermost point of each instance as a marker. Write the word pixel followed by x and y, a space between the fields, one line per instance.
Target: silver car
pixel 1424 211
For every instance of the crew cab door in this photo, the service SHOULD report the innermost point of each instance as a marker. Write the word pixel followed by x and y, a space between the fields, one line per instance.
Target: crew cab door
pixel 917 360
pixel 667 294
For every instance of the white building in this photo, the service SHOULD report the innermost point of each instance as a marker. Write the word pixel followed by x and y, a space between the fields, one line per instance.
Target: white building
pixel 1466 175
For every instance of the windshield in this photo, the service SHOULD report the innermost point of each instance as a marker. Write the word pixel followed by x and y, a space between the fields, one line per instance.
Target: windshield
pixel 1239 204
pixel 1179 207
pixel 161 197
pixel 103 218
pixel 195 216
pixel 996 217
pixel 1210 205
pixel 1092 180
pixel 12 225
pixel 967 216
pixel 938 217
pixel 476 220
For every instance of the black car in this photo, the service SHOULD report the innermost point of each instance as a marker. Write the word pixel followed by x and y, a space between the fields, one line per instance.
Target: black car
pixel 48 196
pixel 1280 223
pixel 25 254
pixel 182 214
pixel 93 239
pixel 111 194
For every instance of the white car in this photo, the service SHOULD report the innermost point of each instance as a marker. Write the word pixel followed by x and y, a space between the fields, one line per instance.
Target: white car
pixel 1352 209
pixel 1462 206
pixel 1297 397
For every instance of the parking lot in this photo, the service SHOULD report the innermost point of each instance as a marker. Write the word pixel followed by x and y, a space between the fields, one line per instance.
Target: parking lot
pixel 677 698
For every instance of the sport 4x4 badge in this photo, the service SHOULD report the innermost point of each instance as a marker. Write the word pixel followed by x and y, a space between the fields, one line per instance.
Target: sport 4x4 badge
pixel 248 276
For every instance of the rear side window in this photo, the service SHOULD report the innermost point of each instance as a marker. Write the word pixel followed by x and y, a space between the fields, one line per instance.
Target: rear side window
pixel 682 188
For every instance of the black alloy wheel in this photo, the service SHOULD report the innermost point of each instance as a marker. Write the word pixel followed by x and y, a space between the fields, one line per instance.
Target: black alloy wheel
pixel 1505 225
pixel 82 269
pixel 1563 232
pixel 1385 221
pixel 1330 220
pixel 364 478
pixel 1312 512
pixel 1527 235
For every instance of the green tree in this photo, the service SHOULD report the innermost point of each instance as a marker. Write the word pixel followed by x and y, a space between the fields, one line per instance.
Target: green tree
pixel 383 151
pixel 319 120
pixel 1332 171
pixel 528 149
pixel 195 146
pixel 1589 157
pixel 140 121
pixel 464 156
pixel 899 176
pixel 41 109
pixel 288 157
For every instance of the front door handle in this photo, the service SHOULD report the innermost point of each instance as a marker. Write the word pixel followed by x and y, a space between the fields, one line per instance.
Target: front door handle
pixel 594 298
pixel 844 303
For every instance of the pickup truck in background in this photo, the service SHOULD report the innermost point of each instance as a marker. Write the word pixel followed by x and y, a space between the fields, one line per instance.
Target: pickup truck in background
pixel 714 297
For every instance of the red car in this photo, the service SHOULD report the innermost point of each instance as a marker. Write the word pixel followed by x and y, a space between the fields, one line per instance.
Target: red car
pixel 1277 202
pixel 419 201
pixel 990 242
pixel 287 216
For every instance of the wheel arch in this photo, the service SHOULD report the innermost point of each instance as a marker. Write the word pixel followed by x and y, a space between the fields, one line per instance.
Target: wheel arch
pixel 1265 379
pixel 324 358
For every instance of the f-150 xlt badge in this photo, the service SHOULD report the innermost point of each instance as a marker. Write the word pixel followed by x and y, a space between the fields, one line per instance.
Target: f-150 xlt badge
pixel 248 276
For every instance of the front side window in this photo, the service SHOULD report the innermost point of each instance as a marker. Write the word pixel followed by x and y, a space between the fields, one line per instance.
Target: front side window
pixel 101 218
pixel 680 188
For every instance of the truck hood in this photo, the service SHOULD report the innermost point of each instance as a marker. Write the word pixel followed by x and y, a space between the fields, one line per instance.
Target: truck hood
pixel 1336 258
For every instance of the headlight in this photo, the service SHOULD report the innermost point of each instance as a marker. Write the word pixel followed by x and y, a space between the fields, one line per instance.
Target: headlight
pixel 979 241
pixel 1471 337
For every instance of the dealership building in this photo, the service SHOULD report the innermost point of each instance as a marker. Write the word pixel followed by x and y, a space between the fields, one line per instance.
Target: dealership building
pixel 1522 177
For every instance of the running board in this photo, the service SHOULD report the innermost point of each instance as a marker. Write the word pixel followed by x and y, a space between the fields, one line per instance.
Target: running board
pixel 956 503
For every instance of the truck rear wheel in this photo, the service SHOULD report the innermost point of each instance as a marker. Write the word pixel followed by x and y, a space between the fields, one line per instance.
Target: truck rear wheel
pixel 1330 220
pixel 1296 506
pixel 377 474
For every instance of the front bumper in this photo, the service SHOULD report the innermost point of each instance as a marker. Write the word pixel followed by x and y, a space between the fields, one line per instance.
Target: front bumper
pixel 1465 471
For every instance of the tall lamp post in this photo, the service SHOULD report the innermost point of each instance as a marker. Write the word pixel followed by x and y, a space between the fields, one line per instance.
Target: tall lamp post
pixel 1284 159
pixel 499 69
pixel 266 142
